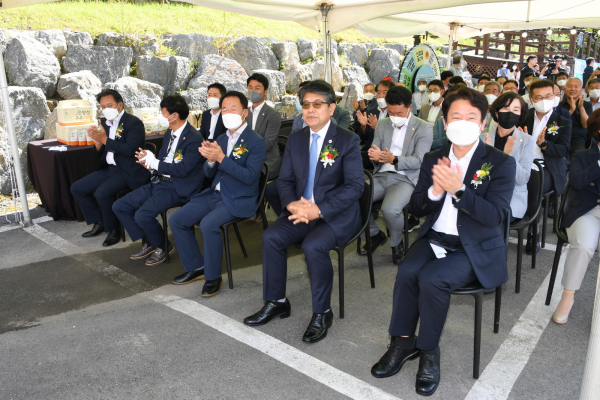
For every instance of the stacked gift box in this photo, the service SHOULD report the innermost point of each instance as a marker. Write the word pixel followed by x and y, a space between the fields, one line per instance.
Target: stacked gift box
pixel 149 117
pixel 74 118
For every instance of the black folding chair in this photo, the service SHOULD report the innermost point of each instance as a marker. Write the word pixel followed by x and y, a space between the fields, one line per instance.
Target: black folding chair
pixel 535 188
pixel 567 199
pixel 286 127
pixel 165 225
pixel 546 206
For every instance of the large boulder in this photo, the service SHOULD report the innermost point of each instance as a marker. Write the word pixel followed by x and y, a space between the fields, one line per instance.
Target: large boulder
pixel 276 83
pixel 193 45
pixel 29 111
pixel 287 53
pixel 334 52
pixel 29 63
pixel 137 93
pixel 355 74
pixel 196 99
pixel 295 74
pixel 50 132
pixel 399 47
pixel 79 85
pixel 382 63
pixel 83 38
pixel 355 54
pixel 4 40
pixel 352 91
pixel 318 72
pixel 252 54
pixel 108 63
pixel 214 68
pixel 142 45
pixel 54 40
pixel 371 46
pixel 307 49
pixel 172 73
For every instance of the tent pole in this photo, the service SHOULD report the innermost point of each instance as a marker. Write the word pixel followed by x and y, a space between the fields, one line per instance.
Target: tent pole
pixel 326 42
pixel 590 385
pixel 453 27
pixel 10 128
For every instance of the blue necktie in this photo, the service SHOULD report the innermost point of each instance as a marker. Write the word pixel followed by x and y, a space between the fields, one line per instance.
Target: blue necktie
pixel 312 167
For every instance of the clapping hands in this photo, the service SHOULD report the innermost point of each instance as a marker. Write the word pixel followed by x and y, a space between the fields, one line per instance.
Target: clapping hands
pixel 446 179
pixel 211 151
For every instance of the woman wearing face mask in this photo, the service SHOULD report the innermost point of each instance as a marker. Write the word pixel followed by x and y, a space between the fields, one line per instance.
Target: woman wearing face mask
pixel 503 71
pixel 508 111
pixel 421 97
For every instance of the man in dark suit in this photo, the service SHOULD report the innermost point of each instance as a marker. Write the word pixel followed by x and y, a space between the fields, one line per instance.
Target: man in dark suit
pixel 235 161
pixel 320 183
pixel 177 175
pixel 118 170
pixel 212 126
pixel 580 110
pixel 464 191
pixel 588 70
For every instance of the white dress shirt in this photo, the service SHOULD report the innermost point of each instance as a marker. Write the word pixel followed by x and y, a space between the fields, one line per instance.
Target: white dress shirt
pixel 112 134
pixel 213 123
pixel 255 114
pixel 446 222
pixel 320 141
pixel 538 126
pixel 382 113
pixel 433 112
pixel 396 147
pixel 231 141
pixel 169 157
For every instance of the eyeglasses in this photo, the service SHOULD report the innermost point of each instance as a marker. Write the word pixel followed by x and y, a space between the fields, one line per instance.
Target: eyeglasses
pixel 511 89
pixel 316 104
pixel 540 98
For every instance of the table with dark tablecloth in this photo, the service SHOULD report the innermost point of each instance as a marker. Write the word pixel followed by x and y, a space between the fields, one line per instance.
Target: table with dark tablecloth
pixel 53 172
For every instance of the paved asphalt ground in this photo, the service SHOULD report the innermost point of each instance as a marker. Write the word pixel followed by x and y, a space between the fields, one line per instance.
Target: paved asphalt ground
pixel 81 322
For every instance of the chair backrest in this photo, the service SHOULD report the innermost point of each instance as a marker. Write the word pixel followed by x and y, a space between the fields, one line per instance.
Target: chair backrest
pixel 535 192
pixel 151 147
pixel 262 184
pixel 282 143
pixel 286 127
pixel 565 203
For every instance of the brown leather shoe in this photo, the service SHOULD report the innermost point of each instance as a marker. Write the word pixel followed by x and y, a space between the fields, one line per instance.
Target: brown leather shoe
pixel 398 253
pixel 144 252
pixel 160 255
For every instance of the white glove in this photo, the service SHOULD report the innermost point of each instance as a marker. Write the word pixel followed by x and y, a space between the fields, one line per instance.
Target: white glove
pixel 150 160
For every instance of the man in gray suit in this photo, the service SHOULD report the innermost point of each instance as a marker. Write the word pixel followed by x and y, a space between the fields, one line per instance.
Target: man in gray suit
pixel 432 111
pixel 264 120
pixel 399 144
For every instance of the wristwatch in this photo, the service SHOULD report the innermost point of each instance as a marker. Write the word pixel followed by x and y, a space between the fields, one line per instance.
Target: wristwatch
pixel 395 162
pixel 321 215
pixel 456 196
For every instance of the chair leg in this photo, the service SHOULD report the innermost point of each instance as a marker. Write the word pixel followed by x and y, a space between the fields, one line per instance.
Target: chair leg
pixel 166 229
pixel 122 233
pixel 370 259
pixel 341 275
pixel 534 235
pixel 497 306
pixel 545 223
pixel 225 233
pixel 239 237
pixel 556 204
pixel 554 270
pixel 405 231
pixel 263 214
pixel 477 334
pixel 519 260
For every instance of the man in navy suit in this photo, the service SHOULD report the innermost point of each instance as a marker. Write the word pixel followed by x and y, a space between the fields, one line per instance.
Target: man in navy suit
pixel 235 161
pixel 464 191
pixel 212 126
pixel 177 175
pixel 320 183
pixel 118 170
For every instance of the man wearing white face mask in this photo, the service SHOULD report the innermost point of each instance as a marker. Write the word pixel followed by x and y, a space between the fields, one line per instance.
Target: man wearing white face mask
pixel 464 191
pixel 366 121
pixel 212 126
pixel 593 89
pixel 235 160
pixel 118 171
pixel 481 83
pixel 491 92
pixel 400 142
pixel 431 112
pixel 421 97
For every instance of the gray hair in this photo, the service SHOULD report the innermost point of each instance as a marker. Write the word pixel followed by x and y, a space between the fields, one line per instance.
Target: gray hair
pixel 491 83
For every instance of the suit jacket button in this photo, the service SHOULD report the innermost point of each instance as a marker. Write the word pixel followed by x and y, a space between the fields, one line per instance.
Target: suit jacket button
pixel 592 184
pixel 598 200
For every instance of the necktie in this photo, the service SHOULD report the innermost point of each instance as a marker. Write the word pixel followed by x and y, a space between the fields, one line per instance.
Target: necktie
pixel 169 146
pixel 312 167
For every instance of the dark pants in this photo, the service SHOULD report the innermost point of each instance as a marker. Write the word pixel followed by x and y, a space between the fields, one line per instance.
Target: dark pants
pixel 96 194
pixel 272 196
pixel 138 210
pixel 423 287
pixel 317 240
pixel 211 212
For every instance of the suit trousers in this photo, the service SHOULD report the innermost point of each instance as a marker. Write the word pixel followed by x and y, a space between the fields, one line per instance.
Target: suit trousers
pixel 423 288
pixel 395 191
pixel 209 209
pixel 272 196
pixel 138 210
pixel 96 194
pixel 583 239
pixel 317 239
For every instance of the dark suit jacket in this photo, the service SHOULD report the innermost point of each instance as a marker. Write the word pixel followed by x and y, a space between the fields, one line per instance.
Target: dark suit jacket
pixel 577 129
pixel 557 149
pixel 337 188
pixel 481 211
pixel 587 72
pixel 187 175
pixel 342 117
pixel 132 138
pixel 205 126
pixel 267 126
pixel 366 137
pixel 584 178
pixel 239 177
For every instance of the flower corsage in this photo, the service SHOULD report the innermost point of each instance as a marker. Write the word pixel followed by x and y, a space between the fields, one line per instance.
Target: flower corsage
pixel 177 157
pixel 553 128
pixel 328 155
pixel 482 174
pixel 239 150
pixel 119 131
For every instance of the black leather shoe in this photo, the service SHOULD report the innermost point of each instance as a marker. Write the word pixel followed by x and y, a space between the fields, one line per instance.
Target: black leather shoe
pixel 529 245
pixel 189 277
pixel 317 329
pixel 270 310
pixel 160 255
pixel 398 253
pixel 413 223
pixel 113 237
pixel 394 358
pixel 212 287
pixel 428 375
pixel 376 241
pixel 97 229
pixel 144 252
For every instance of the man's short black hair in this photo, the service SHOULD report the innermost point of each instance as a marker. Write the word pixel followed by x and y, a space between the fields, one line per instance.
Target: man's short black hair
pixel 232 93
pixel 456 79
pixel 475 98
pixel 527 75
pixel 398 95
pixel 483 74
pixel 176 104
pixel 593 80
pixel 505 100
pixel 487 78
pixel 531 58
pixel 446 74
pixel 589 60
pixel 109 92
pixel 540 84
pixel 501 77
pixel 387 83
pixel 562 73
pixel 436 82
pixel 259 78
pixel 456 86
pixel 512 81
pixel 216 85
pixel 319 87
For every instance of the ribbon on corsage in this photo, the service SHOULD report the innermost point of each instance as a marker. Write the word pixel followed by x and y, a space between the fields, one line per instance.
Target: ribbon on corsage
pixel 328 155
pixel 481 174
